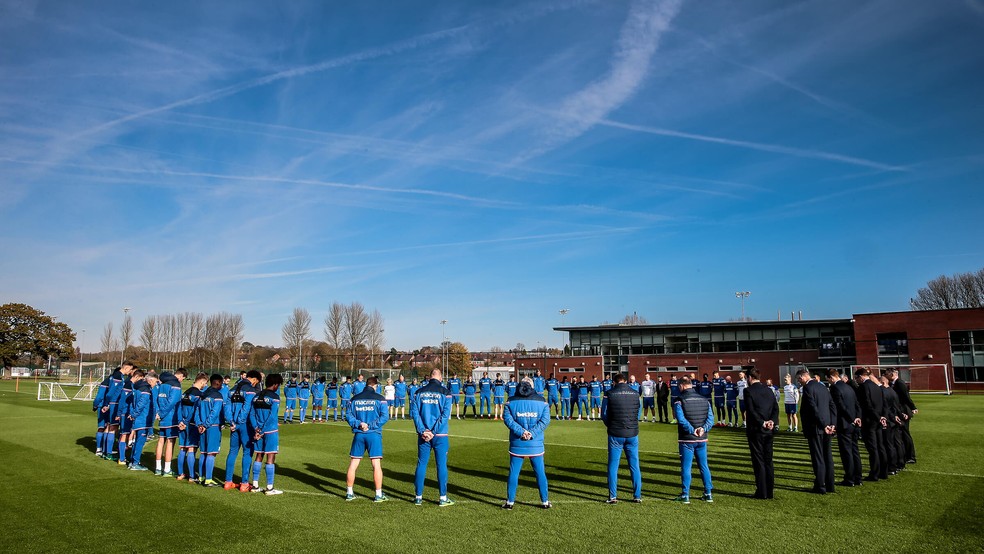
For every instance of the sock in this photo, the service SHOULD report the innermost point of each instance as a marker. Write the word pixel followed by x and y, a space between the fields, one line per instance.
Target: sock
pixel 379 492
pixel 350 491
pixel 269 473
pixel 99 441
pixel 201 464
pixel 209 466
pixel 190 457
pixel 444 498
pixel 256 474
pixel 167 467
pixel 418 497
pixel 181 461
pixel 122 450
pixel 157 465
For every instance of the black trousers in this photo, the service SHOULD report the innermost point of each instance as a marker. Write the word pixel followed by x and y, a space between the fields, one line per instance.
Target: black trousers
pixel 850 454
pixel 822 458
pixel 664 409
pixel 871 434
pixel 760 447
pixel 898 435
pixel 910 447
pixel 887 451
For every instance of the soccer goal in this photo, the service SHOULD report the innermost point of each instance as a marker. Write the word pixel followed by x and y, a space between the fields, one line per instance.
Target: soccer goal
pixel 922 378
pixel 87 392
pixel 52 392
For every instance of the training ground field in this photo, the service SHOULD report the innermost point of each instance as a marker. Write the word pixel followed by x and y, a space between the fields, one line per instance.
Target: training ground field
pixel 57 496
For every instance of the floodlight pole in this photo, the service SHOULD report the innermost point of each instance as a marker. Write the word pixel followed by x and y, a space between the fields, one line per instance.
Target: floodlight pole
pixel 742 296
pixel 123 350
pixel 444 348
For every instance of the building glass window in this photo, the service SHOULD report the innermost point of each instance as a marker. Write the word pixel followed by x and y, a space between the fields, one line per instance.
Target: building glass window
pixel 967 352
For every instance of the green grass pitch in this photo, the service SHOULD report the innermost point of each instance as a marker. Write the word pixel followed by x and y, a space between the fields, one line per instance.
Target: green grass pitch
pixel 57 497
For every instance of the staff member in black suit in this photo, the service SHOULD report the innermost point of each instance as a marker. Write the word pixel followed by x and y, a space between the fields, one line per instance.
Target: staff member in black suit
pixel 893 433
pixel 908 410
pixel 872 422
pixel 818 414
pixel 848 426
pixel 663 399
pixel 763 422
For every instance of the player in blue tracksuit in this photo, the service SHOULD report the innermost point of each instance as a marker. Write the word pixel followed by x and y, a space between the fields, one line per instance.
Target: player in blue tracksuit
pixel 470 388
pixel 368 415
pixel 102 415
pixel 332 391
pixel 303 397
pixel 511 386
pixel 583 393
pixel 168 401
pixel 290 399
pixel 125 404
pixel 527 416
pixel 553 395
pixel 264 434
pixel 412 389
pixel 111 407
pixel 318 399
pixel 539 383
pixel 454 385
pixel 674 389
pixel 485 396
pixel 207 416
pixel 400 397
pixel 565 399
pixel 188 436
pixel 498 396
pixel 575 393
pixel 636 386
pixel 606 385
pixel 731 401
pixel 359 385
pixel 141 415
pixel 717 383
pixel 236 414
pixel 705 388
pixel 431 411
pixel 595 388
pixel 345 392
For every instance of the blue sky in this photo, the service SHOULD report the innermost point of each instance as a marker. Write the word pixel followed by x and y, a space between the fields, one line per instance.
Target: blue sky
pixel 487 163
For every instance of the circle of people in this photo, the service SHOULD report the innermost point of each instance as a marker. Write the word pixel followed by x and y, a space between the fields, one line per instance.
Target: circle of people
pixel 873 409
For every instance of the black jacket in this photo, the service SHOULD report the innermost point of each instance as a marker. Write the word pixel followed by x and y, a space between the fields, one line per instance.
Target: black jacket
pixel 872 404
pixel 846 402
pixel 760 406
pixel 620 411
pixel 817 409
pixel 905 400
pixel 662 390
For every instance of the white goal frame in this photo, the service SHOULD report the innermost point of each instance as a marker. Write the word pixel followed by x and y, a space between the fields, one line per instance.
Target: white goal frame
pixel 52 392
pixel 905 373
pixel 87 392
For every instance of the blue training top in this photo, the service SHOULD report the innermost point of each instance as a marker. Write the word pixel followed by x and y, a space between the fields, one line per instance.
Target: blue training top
pixel 368 407
pixel 400 389
pixel 236 408
pixel 169 400
pixel 431 409
pixel 565 389
pixel 454 385
pixel 263 412
pixel 526 413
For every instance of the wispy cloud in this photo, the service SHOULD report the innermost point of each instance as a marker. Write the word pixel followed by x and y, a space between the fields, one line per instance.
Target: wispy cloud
pixel 638 41
pixel 761 146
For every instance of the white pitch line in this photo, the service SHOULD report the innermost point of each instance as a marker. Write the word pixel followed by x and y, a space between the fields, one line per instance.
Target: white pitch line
pixel 308 493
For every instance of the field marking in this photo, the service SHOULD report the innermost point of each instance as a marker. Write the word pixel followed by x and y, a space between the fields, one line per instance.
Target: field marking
pixel 339 496
pixel 557 444
pixel 5 418
pixel 946 474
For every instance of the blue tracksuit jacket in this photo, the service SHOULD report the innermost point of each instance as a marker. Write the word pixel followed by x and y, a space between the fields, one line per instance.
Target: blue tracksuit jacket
pixel 526 413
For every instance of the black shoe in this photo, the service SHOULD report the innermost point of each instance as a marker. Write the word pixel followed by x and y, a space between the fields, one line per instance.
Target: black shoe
pixel 912 461
pixel 817 490
pixel 637 500
pixel 871 478
pixel 546 505
pixel 846 483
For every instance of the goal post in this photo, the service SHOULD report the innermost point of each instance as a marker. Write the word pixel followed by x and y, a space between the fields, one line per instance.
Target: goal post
pixel 87 392
pixel 52 392
pixel 922 378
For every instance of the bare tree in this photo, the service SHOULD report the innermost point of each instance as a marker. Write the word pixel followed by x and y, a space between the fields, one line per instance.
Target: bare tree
pixel 356 329
pixel 634 319
pixel 335 329
pixel 149 337
pixel 108 340
pixel 374 334
pixel 962 290
pixel 297 328
pixel 235 329
pixel 126 333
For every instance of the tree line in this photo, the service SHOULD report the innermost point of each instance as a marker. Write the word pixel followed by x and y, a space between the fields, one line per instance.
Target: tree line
pixel 961 290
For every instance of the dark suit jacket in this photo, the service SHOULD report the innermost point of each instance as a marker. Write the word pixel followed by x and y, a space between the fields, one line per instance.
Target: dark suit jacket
pixel 872 404
pixel 846 402
pixel 760 406
pixel 892 407
pixel 817 408
pixel 905 400
pixel 662 390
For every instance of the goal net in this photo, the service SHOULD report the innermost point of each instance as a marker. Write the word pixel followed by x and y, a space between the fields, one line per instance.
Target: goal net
pixel 87 392
pixel 52 392
pixel 922 378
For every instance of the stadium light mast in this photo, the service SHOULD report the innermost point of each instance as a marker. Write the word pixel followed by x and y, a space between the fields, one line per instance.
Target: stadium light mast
pixel 123 350
pixel 444 348
pixel 81 352
pixel 563 319
pixel 742 296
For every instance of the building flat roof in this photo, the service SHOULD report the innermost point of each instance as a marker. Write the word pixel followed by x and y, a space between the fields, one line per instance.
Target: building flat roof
pixel 721 324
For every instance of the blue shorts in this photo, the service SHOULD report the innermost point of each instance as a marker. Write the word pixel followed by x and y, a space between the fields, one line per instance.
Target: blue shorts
pixel 648 402
pixel 303 402
pixel 102 418
pixel 333 403
pixel 291 403
pixel 595 402
pixel 719 401
pixel 790 409
pixel 269 443
pixel 469 401
pixel 169 432
pixel 126 425
pixel 498 400
pixel 552 399
pixel 212 440
pixel 318 402
pixel 455 398
pixel 732 403
pixel 741 405
pixel 367 442
pixel 188 438
pixel 400 402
